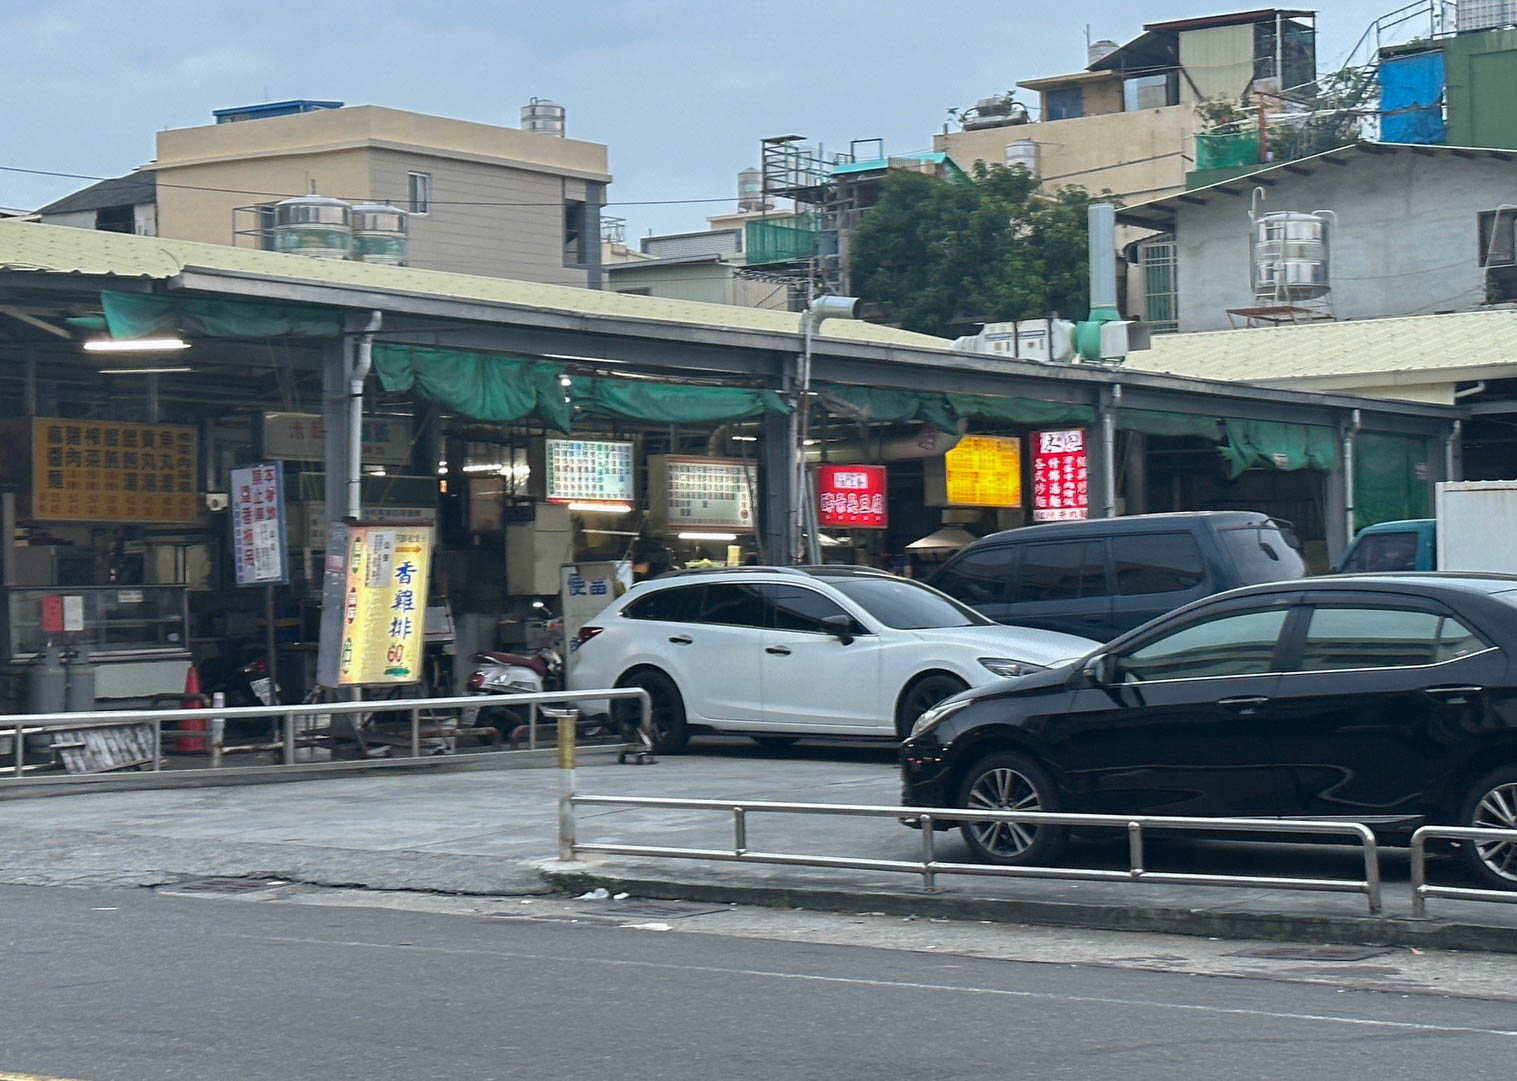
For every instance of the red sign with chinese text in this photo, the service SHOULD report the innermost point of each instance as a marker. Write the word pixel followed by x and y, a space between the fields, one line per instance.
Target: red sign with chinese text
pixel 850 496
pixel 1060 482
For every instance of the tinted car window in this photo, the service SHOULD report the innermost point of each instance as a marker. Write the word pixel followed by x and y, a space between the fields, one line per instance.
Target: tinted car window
pixel 906 605
pixel 1235 645
pixel 678 605
pixel 1061 570
pixel 1262 554
pixel 795 608
pixel 1383 552
pixel 1338 638
pixel 732 604
pixel 1156 563
pixel 978 577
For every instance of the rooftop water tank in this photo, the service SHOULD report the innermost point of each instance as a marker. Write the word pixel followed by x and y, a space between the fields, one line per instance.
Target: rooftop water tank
pixel 1097 51
pixel 1023 152
pixel 381 234
pixel 314 225
pixel 996 111
pixel 750 191
pixel 1290 256
pixel 543 116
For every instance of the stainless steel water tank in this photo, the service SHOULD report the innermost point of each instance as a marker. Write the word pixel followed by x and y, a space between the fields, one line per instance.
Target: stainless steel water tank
pixel 314 225
pixel 381 234
pixel 1290 255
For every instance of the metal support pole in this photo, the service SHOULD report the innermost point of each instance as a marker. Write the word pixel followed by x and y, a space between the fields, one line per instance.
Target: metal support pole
pixel 1135 848
pixel 566 719
pixel 532 726
pixel 218 741
pixel 929 877
pixel 739 831
pixel 157 744
pixel 289 739
pixel 20 737
pixel 269 644
pixel 1349 433
pixel 415 733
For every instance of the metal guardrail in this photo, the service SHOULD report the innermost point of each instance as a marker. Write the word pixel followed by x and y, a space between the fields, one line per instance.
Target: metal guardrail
pixel 929 867
pixel 1421 891
pixel 165 721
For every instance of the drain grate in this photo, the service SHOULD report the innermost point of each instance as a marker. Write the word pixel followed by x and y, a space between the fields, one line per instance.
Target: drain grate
pixel 1312 953
pixel 222 884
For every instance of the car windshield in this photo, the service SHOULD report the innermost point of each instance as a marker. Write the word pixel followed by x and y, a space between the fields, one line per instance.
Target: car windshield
pixel 1263 553
pixel 906 605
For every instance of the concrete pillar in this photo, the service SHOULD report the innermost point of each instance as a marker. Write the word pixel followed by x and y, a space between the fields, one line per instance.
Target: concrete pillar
pixel 777 467
pixel 336 360
pixel 29 380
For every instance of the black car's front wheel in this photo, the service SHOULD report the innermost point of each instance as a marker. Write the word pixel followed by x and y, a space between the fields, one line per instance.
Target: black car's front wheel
pixel 1010 782
pixel 1492 804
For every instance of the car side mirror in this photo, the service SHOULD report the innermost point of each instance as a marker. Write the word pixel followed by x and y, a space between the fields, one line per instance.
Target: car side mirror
pixel 840 627
pixel 1102 670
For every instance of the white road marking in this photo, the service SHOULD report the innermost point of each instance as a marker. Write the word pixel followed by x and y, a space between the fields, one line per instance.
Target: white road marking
pixel 905 985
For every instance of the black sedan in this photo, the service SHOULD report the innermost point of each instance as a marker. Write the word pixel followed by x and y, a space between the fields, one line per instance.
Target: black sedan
pixel 1389 700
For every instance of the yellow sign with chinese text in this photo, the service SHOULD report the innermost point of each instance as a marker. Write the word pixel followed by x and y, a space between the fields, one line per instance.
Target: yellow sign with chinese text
pixel 107 471
pixel 385 604
pixel 984 471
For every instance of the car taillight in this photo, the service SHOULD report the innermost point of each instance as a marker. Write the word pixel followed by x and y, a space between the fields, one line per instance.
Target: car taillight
pixel 476 681
pixel 259 668
pixel 585 634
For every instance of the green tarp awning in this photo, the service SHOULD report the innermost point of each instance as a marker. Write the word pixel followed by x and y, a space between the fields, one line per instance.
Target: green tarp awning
pixel 141 315
pixel 1387 487
pixel 1265 444
pixel 1155 422
pixel 670 403
pixel 1021 410
pixel 888 406
pixel 484 386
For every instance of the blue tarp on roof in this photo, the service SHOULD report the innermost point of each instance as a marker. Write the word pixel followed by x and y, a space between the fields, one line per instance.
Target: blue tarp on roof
pixel 1411 98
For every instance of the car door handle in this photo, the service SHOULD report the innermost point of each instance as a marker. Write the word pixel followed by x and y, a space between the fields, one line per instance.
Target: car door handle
pixel 1453 696
pixel 778 651
pixel 1243 706
pixel 681 639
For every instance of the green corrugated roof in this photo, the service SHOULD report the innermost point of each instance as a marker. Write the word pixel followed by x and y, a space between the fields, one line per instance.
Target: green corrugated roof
pixel 58 249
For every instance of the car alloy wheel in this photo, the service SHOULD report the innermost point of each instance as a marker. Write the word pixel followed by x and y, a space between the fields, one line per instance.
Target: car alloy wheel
pixel 1010 782
pixel 1004 789
pixel 1497 810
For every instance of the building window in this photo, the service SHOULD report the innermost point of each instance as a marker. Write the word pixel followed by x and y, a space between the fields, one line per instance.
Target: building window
pixel 421 193
pixel 575 251
pixel 1066 103
pixel 1151 91
pixel 115 219
pixel 1161 302
pixel 1498 253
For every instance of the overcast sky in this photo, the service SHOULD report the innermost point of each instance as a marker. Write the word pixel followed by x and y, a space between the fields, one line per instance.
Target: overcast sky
pixel 680 90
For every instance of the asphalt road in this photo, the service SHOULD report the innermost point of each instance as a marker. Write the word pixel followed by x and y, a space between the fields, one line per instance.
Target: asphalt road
pixel 111 985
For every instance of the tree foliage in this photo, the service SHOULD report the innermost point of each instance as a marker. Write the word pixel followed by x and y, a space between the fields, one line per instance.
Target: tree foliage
pixel 988 247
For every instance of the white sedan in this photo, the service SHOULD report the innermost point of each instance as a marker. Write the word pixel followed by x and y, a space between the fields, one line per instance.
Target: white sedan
pixel 777 653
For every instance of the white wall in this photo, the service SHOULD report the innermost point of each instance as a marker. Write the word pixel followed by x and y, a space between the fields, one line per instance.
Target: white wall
pixel 1406 240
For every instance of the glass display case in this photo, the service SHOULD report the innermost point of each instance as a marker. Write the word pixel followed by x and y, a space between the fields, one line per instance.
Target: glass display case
pixel 119 620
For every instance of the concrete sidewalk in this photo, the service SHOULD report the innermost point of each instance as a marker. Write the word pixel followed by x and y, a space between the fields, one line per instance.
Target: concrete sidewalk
pixel 494 833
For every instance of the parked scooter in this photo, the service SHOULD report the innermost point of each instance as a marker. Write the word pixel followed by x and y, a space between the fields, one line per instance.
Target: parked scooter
pixel 514 673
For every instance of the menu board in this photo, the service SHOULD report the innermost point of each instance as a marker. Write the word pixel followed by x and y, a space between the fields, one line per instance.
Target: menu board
pixel 258 525
pixel 588 470
pixel 374 602
pixel 701 493
pixel 1060 484
pixel 851 496
pixel 106 471
pixel 984 471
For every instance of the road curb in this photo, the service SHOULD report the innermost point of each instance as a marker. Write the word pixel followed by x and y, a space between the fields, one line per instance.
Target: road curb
pixel 1274 927
pixel 72 784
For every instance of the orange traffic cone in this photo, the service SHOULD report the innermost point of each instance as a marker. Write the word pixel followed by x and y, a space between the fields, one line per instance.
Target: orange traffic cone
pixel 191 700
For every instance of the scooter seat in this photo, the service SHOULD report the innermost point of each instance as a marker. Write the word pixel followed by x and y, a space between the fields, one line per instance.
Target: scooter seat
pixel 537 664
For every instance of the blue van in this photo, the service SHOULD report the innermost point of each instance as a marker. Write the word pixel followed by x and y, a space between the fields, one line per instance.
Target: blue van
pixel 1411 545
